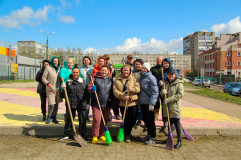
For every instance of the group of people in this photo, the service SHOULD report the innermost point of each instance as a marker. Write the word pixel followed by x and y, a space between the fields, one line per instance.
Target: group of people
pixel 138 92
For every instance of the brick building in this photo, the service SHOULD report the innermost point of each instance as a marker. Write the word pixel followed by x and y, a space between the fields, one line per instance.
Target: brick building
pixel 225 57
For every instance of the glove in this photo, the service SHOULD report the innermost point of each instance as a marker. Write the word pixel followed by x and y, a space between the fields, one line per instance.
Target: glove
pixel 167 101
pixel 163 92
pixel 161 83
pixel 63 85
pixel 151 107
pixel 93 88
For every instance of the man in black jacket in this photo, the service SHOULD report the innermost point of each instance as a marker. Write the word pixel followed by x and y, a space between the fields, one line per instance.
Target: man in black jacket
pixel 77 94
pixel 41 88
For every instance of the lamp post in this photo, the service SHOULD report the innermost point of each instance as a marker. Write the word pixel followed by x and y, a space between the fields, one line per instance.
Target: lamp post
pixel 47 41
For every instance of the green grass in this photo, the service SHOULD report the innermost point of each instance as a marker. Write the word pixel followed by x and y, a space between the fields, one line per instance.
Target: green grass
pixel 215 94
pixel 11 81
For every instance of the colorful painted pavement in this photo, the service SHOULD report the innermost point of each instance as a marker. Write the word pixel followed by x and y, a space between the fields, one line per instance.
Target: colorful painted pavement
pixel 21 107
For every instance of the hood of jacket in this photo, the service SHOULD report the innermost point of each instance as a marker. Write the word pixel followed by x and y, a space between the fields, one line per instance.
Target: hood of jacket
pixel 145 74
pixel 175 81
pixel 97 66
pixel 80 80
pixel 170 63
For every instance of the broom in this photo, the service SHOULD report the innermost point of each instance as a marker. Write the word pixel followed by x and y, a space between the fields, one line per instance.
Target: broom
pixel 120 135
pixel 77 137
pixel 187 135
pixel 106 130
pixel 170 145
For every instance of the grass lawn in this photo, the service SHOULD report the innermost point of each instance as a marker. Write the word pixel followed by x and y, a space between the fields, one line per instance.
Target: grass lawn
pixel 11 81
pixel 214 94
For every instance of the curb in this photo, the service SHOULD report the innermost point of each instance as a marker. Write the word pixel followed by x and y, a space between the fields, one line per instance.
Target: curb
pixel 59 130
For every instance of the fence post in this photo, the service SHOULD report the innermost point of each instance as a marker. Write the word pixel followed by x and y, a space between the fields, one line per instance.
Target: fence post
pixel 24 73
pixel 8 73
pixel 30 73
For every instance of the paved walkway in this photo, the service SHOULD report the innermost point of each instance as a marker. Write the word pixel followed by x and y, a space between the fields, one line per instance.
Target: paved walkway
pixel 20 113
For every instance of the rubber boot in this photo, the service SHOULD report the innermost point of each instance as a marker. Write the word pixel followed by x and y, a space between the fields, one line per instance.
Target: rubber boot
pixel 179 144
pixel 44 117
pixel 94 140
pixel 55 120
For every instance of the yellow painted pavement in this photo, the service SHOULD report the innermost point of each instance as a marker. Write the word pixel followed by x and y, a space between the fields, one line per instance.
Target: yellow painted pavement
pixel 20 92
pixel 20 115
pixel 208 115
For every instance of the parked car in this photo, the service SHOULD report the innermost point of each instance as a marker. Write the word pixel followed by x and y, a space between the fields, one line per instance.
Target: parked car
pixel 197 82
pixel 240 92
pixel 232 88
pixel 206 83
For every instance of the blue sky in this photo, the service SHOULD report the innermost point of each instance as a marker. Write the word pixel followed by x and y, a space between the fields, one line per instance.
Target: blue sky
pixel 109 26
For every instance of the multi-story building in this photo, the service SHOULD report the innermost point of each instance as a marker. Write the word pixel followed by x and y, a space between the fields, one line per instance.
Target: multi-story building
pixel 225 58
pixel 197 42
pixel 182 63
pixel 32 49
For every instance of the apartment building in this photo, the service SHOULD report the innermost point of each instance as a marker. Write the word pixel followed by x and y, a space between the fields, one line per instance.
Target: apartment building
pixel 182 63
pixel 197 42
pixel 225 58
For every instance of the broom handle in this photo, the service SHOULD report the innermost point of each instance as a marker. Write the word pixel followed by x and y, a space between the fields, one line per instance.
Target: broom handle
pixel 125 108
pixel 168 118
pixel 98 102
pixel 70 112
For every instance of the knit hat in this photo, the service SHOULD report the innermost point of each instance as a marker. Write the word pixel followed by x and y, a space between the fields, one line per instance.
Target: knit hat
pixel 147 66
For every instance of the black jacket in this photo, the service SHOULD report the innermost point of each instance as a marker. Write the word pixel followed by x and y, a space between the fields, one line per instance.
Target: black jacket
pixel 77 92
pixel 41 88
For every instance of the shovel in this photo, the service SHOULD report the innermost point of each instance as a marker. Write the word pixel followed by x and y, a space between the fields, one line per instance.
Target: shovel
pixel 77 137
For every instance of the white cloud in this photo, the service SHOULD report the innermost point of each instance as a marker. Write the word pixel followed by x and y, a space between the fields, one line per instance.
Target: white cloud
pixel 153 46
pixel 233 26
pixel 90 50
pixel 67 19
pixel 26 15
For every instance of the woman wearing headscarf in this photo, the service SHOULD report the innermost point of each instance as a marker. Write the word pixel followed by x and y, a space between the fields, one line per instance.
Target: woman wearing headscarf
pixel 101 62
pixel 126 83
pixel 51 80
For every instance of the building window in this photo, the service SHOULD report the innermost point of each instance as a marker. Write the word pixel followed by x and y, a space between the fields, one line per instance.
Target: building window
pixel 228 53
pixel 239 53
pixel 239 63
pixel 228 63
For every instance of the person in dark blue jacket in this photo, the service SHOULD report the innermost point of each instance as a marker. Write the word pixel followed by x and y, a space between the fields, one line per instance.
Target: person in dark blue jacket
pixel 148 97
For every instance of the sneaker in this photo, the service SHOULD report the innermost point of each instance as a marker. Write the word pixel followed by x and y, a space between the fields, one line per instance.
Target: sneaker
pixel 94 140
pixel 103 138
pixel 128 139
pixel 63 138
pixel 48 120
pixel 150 141
pixel 118 117
pixel 44 117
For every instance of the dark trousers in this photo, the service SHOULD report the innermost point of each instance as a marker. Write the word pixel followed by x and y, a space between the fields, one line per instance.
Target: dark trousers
pixel 149 119
pixel 43 98
pixel 130 118
pixel 176 122
pixel 82 121
pixel 116 110
pixel 87 102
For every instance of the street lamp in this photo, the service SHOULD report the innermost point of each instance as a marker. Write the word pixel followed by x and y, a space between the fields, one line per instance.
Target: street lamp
pixel 47 41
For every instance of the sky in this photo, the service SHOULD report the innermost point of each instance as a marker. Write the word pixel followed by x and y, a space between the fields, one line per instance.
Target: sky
pixel 111 26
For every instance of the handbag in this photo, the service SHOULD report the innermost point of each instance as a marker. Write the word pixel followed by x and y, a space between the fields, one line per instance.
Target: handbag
pixel 41 88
